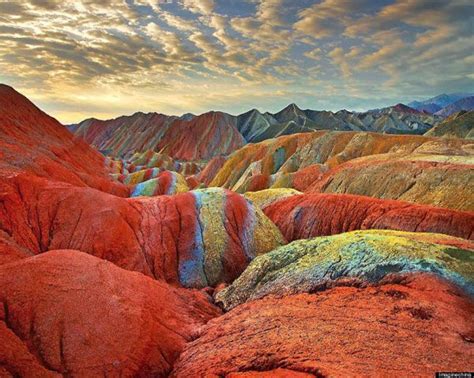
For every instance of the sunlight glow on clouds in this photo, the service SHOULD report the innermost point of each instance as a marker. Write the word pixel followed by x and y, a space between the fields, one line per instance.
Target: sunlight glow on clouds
pixel 105 58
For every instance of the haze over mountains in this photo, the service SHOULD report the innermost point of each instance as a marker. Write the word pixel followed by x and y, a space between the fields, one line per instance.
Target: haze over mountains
pixel 445 104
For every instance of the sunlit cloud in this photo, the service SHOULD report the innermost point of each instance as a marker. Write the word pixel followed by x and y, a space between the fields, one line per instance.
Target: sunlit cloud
pixel 86 58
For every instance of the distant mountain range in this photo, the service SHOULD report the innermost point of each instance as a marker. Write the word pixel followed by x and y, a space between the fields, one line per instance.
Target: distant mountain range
pixel 445 104
pixel 192 137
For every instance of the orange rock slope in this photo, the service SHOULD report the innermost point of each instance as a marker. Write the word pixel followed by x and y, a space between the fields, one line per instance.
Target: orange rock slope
pixel 411 327
pixel 418 169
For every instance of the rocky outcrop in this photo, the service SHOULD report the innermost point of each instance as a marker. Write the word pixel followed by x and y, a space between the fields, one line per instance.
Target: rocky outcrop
pixel 309 215
pixel 31 142
pixel 417 325
pixel 295 154
pixel 264 198
pixel 66 313
pixel 210 170
pixel 365 256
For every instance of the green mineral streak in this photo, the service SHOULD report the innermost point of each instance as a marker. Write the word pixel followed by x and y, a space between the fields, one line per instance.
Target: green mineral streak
pixel 368 255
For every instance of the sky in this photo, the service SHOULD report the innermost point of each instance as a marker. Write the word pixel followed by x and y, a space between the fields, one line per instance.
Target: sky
pixel 105 58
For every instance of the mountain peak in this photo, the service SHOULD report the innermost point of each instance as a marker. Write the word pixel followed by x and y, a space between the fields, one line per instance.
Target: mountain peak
pixel 293 106
pixel 404 109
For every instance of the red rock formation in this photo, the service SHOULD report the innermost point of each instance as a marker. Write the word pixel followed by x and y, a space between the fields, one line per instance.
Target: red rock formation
pixel 417 325
pixel 309 215
pixel 304 177
pixel 201 137
pixel 10 251
pixel 70 313
pixel 194 239
pixel 192 182
pixel 33 142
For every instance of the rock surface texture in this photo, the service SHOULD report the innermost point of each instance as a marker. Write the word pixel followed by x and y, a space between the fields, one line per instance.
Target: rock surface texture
pixel 71 314
pixel 458 125
pixel 199 137
pixel 303 161
pixel 412 326
pixel 33 143
pixel 366 256
pixel 195 239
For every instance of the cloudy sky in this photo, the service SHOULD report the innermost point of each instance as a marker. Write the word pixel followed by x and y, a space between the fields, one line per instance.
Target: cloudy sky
pixel 104 58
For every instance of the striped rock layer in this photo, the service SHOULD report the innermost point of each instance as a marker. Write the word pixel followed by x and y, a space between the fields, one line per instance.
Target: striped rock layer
pixel 294 152
pixel 443 181
pixel 191 137
pixel 368 256
pixel 165 183
pixel 417 324
pixel 309 215
pixel 194 239
pixel 150 159
pixel 66 313
pixel 431 171
pixel 264 198
pixel 200 137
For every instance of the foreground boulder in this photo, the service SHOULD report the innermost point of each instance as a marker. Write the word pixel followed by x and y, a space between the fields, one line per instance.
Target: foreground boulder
pixel 416 324
pixel 367 256
pixel 309 215
pixel 69 313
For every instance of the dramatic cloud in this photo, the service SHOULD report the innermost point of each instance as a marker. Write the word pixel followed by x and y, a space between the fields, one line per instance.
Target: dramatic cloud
pixel 109 57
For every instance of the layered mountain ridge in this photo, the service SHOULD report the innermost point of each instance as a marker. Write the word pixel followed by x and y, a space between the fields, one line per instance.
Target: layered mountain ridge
pixel 201 137
pixel 442 104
